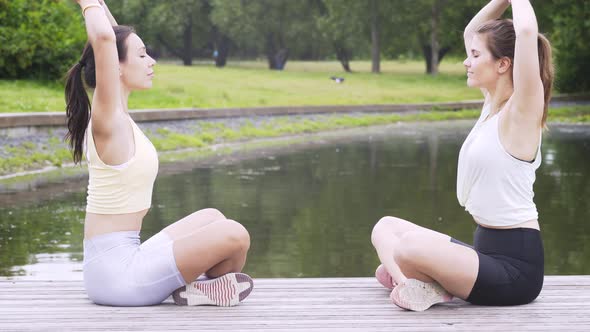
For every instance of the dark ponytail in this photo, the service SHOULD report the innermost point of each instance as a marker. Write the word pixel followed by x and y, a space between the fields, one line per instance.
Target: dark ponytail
pixel 80 76
pixel 78 104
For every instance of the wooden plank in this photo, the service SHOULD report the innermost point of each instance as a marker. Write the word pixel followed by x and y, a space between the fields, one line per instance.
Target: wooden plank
pixel 330 304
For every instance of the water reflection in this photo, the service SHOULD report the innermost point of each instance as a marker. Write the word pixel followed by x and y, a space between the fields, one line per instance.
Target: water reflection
pixel 310 212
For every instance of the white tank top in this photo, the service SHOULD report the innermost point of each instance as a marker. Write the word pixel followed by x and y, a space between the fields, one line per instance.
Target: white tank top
pixel 495 187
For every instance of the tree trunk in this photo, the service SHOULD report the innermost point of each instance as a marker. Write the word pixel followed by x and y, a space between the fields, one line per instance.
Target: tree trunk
pixel 343 55
pixel 275 48
pixel 345 64
pixel 222 51
pixel 277 59
pixel 434 18
pixel 375 47
pixel 427 52
pixel 433 62
pixel 280 59
pixel 275 54
pixel 187 54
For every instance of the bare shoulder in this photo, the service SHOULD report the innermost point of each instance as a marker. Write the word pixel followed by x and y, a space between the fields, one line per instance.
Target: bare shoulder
pixel 520 131
pixel 107 122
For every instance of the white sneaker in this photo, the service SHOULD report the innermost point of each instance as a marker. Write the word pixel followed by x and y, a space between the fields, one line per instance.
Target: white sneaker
pixel 225 291
pixel 416 295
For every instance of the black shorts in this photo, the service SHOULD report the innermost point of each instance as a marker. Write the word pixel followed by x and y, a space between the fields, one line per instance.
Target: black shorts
pixel 511 266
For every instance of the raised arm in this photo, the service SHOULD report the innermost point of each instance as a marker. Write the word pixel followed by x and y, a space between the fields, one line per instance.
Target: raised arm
pixel 106 100
pixel 493 10
pixel 528 94
pixel 108 12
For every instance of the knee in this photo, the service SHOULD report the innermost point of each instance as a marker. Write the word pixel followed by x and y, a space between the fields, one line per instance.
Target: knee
pixel 382 228
pixel 237 235
pixel 412 249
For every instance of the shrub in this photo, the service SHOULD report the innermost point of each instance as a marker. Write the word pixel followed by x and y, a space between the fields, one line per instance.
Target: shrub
pixel 39 39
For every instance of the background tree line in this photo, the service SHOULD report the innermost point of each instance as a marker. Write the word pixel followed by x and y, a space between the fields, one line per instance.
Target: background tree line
pixel 41 38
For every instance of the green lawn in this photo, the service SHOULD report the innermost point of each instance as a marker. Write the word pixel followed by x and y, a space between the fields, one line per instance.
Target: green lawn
pixel 250 83
pixel 28 156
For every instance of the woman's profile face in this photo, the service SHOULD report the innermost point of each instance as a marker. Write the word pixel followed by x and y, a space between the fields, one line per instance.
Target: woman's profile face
pixel 480 64
pixel 137 70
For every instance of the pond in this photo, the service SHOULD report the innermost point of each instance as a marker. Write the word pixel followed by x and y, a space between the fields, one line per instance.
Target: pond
pixel 310 209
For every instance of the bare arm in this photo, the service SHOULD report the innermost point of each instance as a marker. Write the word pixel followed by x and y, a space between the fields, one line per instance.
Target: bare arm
pixel 106 99
pixel 108 13
pixel 528 87
pixel 493 10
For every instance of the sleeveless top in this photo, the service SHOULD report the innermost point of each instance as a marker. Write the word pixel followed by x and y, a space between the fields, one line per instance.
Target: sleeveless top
pixel 495 187
pixel 123 188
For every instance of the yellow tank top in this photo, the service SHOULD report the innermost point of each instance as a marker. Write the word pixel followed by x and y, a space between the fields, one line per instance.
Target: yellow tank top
pixel 124 188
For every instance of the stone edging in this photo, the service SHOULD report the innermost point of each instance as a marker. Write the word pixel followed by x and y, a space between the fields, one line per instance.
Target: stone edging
pixel 42 119
pixel 38 119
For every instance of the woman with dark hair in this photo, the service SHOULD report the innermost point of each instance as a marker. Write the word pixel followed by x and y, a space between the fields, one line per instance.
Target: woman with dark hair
pixel 511 63
pixel 123 165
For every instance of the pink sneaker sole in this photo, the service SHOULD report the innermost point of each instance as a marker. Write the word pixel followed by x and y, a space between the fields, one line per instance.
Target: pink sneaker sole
pixel 384 278
pixel 416 295
pixel 225 291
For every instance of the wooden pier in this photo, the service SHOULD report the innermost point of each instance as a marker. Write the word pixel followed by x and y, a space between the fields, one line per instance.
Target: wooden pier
pixel 302 304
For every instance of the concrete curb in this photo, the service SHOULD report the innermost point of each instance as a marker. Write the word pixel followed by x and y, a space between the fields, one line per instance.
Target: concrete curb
pixel 48 119
pixel 42 119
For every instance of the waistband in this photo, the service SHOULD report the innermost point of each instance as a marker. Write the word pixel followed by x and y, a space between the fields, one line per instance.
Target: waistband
pixel 103 242
pixel 524 244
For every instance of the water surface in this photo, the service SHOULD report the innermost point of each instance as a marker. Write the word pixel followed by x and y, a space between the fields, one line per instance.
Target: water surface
pixel 310 210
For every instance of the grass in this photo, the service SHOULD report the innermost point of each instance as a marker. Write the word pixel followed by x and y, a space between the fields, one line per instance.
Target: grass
pixel 25 157
pixel 575 114
pixel 250 83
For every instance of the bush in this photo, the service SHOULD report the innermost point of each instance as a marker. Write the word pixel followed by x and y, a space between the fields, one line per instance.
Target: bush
pixel 570 39
pixel 39 39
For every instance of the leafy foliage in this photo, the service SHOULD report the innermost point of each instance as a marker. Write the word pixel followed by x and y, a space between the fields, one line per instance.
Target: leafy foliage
pixel 570 38
pixel 39 38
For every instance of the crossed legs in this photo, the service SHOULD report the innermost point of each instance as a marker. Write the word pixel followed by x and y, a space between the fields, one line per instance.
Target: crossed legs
pixel 207 242
pixel 409 251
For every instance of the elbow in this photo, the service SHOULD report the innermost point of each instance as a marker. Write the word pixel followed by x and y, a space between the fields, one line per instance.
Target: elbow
pixel 526 31
pixel 104 37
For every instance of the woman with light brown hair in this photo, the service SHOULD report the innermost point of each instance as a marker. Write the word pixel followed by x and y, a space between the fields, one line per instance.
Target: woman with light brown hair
pixel 510 62
pixel 122 165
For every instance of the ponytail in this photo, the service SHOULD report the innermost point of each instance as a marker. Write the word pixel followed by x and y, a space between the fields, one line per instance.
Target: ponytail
pixel 77 110
pixel 547 72
pixel 81 75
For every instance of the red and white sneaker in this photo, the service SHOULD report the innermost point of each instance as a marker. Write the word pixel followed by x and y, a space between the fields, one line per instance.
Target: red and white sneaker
pixel 225 291
pixel 416 295
pixel 384 277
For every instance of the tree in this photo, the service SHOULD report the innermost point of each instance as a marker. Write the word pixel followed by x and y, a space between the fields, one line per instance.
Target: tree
pixel 432 28
pixel 343 28
pixel 181 27
pixel 570 38
pixel 375 42
pixel 268 26
pixel 39 39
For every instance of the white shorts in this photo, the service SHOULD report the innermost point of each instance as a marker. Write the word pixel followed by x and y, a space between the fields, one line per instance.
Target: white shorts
pixel 118 271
